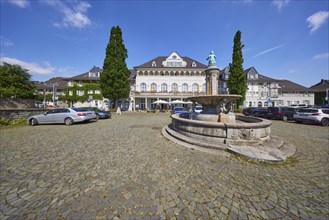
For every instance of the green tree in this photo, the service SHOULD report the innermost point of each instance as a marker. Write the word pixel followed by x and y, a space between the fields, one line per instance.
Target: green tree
pixel 113 80
pixel 15 82
pixel 237 81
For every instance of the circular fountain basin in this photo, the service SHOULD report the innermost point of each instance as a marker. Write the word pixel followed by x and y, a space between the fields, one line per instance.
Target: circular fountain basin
pixel 246 130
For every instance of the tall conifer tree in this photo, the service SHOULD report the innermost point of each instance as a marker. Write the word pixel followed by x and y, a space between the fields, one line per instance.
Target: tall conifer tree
pixel 114 83
pixel 237 81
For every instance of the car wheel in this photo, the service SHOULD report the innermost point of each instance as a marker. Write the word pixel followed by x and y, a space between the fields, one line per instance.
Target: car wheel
pixel 325 122
pixel 33 122
pixel 68 121
pixel 285 118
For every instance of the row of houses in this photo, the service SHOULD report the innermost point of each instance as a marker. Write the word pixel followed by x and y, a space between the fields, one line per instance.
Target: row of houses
pixel 176 77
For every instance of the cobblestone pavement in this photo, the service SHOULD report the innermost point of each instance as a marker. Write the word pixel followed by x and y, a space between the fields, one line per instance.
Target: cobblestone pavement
pixel 123 168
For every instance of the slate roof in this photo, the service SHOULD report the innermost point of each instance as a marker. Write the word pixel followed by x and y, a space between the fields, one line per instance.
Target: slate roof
pixel 85 76
pixel 60 81
pixel 288 86
pixel 132 76
pixel 158 60
pixel 322 86
pixel 261 78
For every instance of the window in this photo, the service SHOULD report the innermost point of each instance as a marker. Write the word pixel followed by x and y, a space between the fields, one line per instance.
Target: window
pixel 154 64
pixel 195 87
pixel 81 92
pixel 153 87
pixel 97 92
pixel 174 87
pixel 143 87
pixel 70 83
pixel 90 92
pixel 185 87
pixel 193 64
pixel 164 87
pixel 70 93
pixel 93 74
pixel 80 83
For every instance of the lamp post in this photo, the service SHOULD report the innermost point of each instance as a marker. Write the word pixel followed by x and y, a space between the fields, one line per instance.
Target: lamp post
pixel 53 85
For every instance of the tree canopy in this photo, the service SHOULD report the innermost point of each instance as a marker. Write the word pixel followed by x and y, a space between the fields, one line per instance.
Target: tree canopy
pixel 15 82
pixel 114 76
pixel 237 81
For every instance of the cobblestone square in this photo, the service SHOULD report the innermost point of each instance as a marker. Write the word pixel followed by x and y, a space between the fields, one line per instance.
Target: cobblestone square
pixel 123 168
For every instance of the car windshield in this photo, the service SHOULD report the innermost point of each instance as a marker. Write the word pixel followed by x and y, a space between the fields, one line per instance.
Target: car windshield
pixel 308 110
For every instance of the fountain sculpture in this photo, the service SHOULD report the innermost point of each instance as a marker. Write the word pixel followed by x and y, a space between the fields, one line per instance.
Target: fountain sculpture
pixel 217 127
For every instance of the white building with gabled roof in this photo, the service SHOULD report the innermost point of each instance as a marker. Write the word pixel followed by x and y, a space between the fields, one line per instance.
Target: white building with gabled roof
pixel 167 78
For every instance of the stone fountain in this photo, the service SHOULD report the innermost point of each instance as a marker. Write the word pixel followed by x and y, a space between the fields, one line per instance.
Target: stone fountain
pixel 217 127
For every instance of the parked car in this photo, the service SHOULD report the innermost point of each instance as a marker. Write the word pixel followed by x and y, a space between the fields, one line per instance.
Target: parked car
pixel 66 116
pixel 39 104
pixel 100 114
pixel 255 111
pixel 298 105
pixel 282 113
pixel 179 110
pixel 312 115
pixel 198 109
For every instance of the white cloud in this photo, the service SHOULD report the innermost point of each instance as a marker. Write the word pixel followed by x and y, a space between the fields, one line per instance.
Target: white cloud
pixel 268 50
pixel 316 20
pixel 20 3
pixel 32 67
pixel 5 42
pixel 74 13
pixel 280 3
pixel 321 56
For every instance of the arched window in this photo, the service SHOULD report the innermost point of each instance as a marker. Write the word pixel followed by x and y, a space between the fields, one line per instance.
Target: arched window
pixel 153 87
pixel 185 87
pixel 195 87
pixel 143 87
pixel 164 87
pixel 174 87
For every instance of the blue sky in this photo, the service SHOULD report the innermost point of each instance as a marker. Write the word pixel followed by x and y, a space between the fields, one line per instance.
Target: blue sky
pixel 284 39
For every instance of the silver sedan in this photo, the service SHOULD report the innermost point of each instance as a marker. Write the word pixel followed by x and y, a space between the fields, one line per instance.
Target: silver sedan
pixel 66 116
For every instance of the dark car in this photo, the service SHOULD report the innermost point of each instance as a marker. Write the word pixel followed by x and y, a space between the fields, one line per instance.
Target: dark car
pixel 255 111
pixel 179 110
pixel 281 113
pixel 183 113
pixel 99 113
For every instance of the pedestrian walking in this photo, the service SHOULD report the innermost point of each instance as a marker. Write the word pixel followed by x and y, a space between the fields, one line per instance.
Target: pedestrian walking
pixel 118 110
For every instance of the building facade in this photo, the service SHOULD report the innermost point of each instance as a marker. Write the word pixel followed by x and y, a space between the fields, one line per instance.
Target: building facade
pixel 166 78
pixel 264 91
pixel 175 77
pixel 84 90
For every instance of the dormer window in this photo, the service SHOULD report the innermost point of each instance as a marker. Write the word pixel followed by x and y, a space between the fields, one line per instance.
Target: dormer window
pixel 193 64
pixel 154 64
pixel 174 60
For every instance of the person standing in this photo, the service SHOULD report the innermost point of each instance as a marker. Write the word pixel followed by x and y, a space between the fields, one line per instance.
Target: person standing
pixel 118 110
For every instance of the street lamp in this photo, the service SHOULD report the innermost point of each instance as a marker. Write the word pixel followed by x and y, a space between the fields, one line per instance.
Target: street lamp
pixel 53 85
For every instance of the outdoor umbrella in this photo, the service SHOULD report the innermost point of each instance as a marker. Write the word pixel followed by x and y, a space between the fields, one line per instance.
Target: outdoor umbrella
pixel 177 102
pixel 160 102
